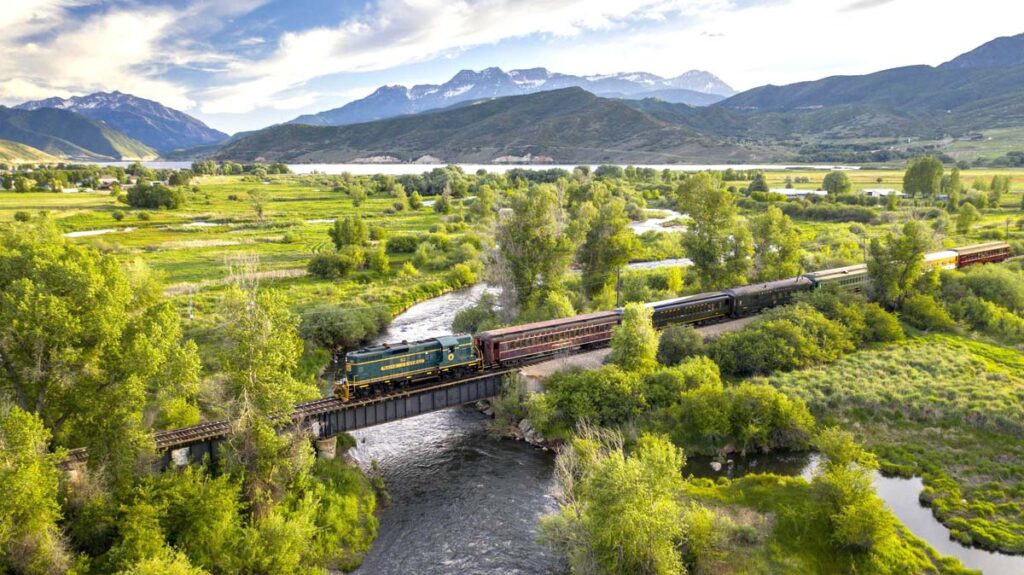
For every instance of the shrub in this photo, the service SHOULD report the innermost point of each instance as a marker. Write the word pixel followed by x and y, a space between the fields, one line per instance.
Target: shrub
pixel 478 317
pixel 338 328
pixel 663 387
pixel 403 244
pixel 329 266
pixel 145 216
pixel 880 325
pixel 22 216
pixel 679 342
pixel 144 195
pixel 606 396
pixel 118 215
pixel 925 312
pixel 462 275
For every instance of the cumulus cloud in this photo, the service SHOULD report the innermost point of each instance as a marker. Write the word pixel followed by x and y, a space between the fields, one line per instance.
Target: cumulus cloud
pixel 397 32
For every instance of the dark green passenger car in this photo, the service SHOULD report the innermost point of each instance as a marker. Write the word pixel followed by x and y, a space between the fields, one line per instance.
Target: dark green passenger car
pixel 389 366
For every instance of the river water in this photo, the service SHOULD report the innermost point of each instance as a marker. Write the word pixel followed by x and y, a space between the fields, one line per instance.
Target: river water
pixel 466 502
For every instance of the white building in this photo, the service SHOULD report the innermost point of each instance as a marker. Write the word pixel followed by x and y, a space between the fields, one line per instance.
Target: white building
pixel 792 193
pixel 881 192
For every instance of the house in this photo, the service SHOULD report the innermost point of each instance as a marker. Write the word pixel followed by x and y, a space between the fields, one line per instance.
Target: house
pixel 881 192
pixel 107 183
pixel 792 193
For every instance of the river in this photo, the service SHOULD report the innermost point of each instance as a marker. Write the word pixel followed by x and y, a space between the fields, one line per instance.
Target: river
pixel 466 502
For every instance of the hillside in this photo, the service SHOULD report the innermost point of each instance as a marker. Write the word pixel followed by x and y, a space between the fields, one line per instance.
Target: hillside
pixel 15 153
pixel 67 134
pixel 569 126
pixel 155 125
pixel 696 88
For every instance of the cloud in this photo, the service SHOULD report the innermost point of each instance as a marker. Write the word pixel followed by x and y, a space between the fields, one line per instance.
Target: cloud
pixel 865 5
pixel 399 32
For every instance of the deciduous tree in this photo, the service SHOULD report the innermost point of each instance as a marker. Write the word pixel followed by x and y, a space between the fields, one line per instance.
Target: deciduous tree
pixel 719 248
pixel 776 245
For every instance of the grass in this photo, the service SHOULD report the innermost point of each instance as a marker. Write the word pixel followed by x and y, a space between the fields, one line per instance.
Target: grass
pixel 947 408
pixel 776 529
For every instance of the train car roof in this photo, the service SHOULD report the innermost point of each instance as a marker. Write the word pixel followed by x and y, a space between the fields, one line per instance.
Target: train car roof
pixel 444 341
pixel 760 287
pixel 946 254
pixel 687 299
pixel 547 324
pixel 981 247
pixel 835 272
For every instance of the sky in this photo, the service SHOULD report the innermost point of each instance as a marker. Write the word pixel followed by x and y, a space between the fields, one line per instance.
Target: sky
pixel 245 64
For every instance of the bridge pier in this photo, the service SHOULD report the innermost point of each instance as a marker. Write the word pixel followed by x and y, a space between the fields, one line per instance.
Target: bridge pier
pixel 326 448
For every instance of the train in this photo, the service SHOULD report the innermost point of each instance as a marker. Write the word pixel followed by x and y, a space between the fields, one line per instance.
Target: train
pixel 395 366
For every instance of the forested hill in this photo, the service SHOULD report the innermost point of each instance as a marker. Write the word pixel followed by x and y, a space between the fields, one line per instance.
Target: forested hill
pixel 568 125
pixel 67 134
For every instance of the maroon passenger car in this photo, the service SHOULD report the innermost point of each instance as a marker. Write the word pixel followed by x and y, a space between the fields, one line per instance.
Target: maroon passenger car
pixel 982 253
pixel 517 344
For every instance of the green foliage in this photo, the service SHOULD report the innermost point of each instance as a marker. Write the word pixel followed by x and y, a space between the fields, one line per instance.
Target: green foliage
pixel 836 183
pixel 663 387
pixel 30 538
pixel 751 417
pixel 621 513
pixel 343 327
pixel 349 231
pixel 782 339
pixel 678 342
pixel 966 218
pixel 78 328
pixel 923 177
pixel 635 341
pixel 481 316
pixel 776 245
pixel 896 261
pixel 155 196
pixel 607 246
pixel 22 216
pixel 330 266
pixel 925 312
pixel 604 396
pixel 534 248
pixel 719 248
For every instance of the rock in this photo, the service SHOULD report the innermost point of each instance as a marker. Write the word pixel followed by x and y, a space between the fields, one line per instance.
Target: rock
pixel 489 412
pixel 525 427
pixel 716 466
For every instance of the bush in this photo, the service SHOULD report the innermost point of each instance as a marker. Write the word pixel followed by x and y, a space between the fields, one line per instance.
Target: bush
pixel 403 244
pixel 118 215
pixel 925 312
pixel 145 216
pixel 338 328
pixel 782 339
pixel 144 195
pixel 679 342
pixel 462 275
pixel 663 387
pixel 751 417
pixel 22 216
pixel 880 325
pixel 479 317
pixel 330 266
pixel 606 396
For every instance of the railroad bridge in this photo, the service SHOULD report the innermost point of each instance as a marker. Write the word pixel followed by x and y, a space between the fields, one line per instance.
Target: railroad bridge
pixel 325 418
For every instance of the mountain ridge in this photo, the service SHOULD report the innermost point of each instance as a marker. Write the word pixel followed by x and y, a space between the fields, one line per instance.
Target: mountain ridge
pixel 69 134
pixel 569 125
pixel 147 121
pixel 694 87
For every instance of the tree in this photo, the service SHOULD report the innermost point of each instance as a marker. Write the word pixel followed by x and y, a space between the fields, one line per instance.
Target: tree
pixel 533 247
pixel 415 201
pixel 77 329
pixel 923 176
pixel 620 514
pixel 261 355
pixel 257 199
pixel 30 539
pixel 155 196
pixel 776 245
pixel 1000 185
pixel 349 231
pixel 358 194
pixel 759 183
pixel 896 261
pixel 678 342
pixel 608 244
pixel 719 248
pixel 379 261
pixel 952 189
pixel 635 341
pixel 966 218
pixel 836 183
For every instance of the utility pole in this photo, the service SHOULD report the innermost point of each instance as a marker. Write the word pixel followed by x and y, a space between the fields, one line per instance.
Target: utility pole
pixel 618 287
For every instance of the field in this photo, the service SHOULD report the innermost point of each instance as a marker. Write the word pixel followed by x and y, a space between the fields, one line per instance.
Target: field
pixel 944 407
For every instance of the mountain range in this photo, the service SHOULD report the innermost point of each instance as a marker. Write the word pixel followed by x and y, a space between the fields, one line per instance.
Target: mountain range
pixel 696 88
pixel 569 125
pixel 64 133
pixel 149 122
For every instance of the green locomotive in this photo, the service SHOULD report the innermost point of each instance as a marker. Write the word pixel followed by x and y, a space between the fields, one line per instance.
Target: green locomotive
pixel 390 366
